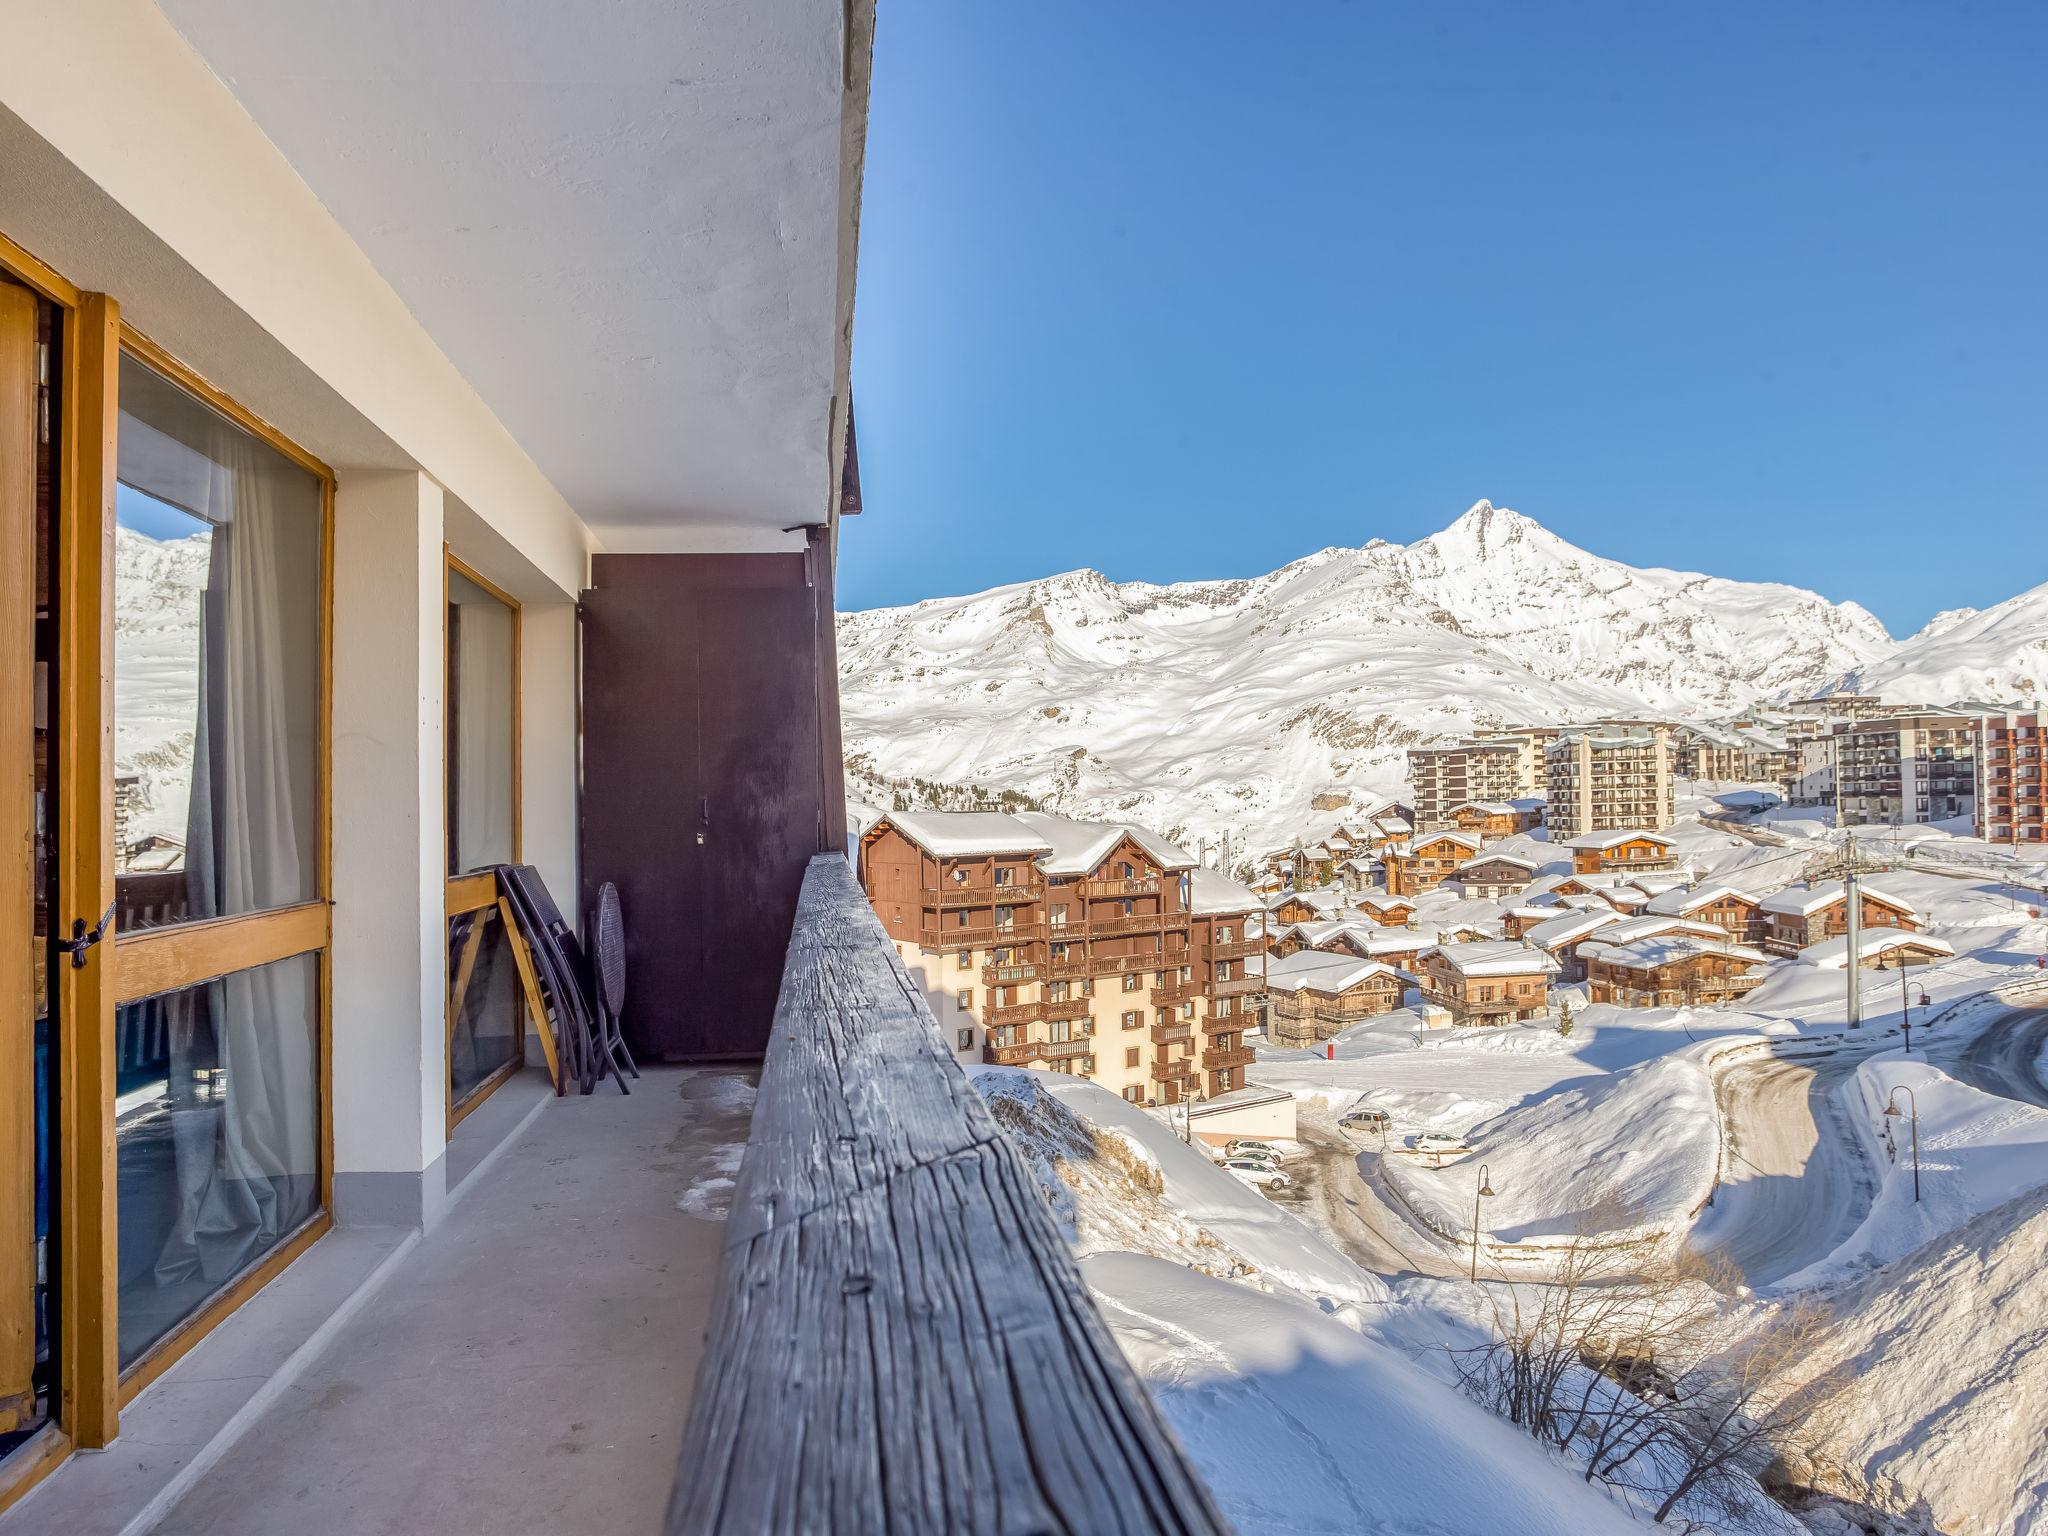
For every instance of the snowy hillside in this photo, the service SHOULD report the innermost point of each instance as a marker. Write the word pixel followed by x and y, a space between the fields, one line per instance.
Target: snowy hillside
pixel 1242 706
pixel 1994 654
pixel 158 584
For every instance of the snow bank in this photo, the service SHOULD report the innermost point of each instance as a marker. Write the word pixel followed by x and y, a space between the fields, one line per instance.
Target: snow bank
pixel 1622 1156
pixel 1945 1399
pixel 1299 1425
pixel 1187 1209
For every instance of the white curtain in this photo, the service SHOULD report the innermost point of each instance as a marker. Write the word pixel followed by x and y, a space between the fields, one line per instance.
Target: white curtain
pixel 248 1156
pixel 480 630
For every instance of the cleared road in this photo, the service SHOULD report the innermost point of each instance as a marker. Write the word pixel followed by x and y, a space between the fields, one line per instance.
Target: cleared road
pixel 1794 1182
pixel 1336 1189
pixel 2004 1057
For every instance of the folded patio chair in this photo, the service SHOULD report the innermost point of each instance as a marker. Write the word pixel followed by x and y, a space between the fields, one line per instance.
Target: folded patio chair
pixel 608 983
pixel 559 972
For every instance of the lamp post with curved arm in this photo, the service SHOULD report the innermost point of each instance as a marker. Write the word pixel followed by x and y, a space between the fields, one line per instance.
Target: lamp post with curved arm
pixel 1891 1108
pixel 1483 1192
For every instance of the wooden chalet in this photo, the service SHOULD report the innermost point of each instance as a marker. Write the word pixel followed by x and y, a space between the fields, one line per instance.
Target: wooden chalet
pixel 1420 865
pixel 1491 981
pixel 1804 915
pixel 1671 971
pixel 1494 876
pixel 1625 852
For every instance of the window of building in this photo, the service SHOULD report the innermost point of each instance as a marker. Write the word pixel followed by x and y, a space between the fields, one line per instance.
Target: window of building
pixel 1133 1019
pixel 1135 1093
pixel 1132 981
pixel 1131 1055
pixel 964 960
pixel 964 999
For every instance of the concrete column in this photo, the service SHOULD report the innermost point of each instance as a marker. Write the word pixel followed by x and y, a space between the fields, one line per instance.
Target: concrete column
pixel 390 1051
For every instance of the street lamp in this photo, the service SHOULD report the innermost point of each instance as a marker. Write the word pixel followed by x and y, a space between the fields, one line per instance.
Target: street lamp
pixel 1483 1192
pixel 1891 1107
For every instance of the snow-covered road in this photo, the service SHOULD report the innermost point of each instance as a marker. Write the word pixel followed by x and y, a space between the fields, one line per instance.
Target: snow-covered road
pixel 1794 1183
pixel 2004 1057
pixel 1336 1191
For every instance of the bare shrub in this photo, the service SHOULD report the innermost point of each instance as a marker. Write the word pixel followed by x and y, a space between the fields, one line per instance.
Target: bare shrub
pixel 1621 1359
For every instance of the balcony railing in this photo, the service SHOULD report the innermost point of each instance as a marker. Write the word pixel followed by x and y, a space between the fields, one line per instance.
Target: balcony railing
pixel 1179 1032
pixel 1076 1007
pixel 881 1216
pixel 1177 991
pixel 1019 1055
pixel 1218 1060
pixel 1008 975
pixel 1013 1013
pixel 1236 949
pixel 950 895
pixel 1140 885
pixel 1237 986
pixel 1176 1070
pixel 1137 922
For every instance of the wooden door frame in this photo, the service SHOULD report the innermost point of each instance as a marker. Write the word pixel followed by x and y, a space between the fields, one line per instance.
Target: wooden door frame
pixel 465 892
pixel 92 1388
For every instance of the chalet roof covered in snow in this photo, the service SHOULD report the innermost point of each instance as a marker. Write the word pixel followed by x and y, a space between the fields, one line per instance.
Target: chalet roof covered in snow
pixel 1805 900
pixel 1484 807
pixel 1497 858
pixel 1493 957
pixel 1334 980
pixel 1601 842
pixel 1330 903
pixel 1833 954
pixel 1554 931
pixel 1649 954
pixel 1212 894
pixel 1381 902
pixel 1680 900
pixel 965 834
pixel 1630 929
pixel 1079 847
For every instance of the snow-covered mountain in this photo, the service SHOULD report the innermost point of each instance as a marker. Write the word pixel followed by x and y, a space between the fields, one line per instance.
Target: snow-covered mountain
pixel 1996 655
pixel 1250 706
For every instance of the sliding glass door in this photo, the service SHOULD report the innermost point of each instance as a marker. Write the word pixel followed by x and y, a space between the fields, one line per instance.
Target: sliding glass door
pixel 219 567
pixel 486 1017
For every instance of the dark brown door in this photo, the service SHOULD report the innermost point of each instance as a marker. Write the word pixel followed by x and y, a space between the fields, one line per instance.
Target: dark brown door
pixel 702 784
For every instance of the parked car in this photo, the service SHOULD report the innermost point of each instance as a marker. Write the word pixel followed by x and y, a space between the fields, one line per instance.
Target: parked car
pixel 1437 1141
pixel 1257 1155
pixel 1265 1175
pixel 1362 1119
pixel 1252 1144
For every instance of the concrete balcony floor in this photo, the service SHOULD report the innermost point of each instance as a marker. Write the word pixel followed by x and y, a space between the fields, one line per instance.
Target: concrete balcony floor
pixel 527 1365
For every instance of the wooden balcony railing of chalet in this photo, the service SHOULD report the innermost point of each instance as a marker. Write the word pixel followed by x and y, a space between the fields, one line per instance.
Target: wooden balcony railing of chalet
pixel 1216 1059
pixel 1139 885
pixel 1171 1071
pixel 1179 1032
pixel 901 1340
pixel 950 895
pixel 1008 975
pixel 1237 986
pixel 1012 1013
pixel 1075 1007
pixel 1176 991
pixel 1022 1054
pixel 1137 922
pixel 1236 949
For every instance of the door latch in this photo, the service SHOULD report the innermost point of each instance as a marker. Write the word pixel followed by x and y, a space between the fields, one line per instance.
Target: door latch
pixel 83 938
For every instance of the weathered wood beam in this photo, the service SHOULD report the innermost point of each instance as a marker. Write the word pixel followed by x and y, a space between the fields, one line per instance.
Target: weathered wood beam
pixel 901 1340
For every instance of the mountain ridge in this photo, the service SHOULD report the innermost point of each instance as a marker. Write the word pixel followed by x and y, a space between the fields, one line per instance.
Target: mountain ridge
pixel 1230 704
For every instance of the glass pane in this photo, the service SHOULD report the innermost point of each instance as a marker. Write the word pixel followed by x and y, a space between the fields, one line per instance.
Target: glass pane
pixel 480 712
pixel 216 664
pixel 489 1016
pixel 217 1121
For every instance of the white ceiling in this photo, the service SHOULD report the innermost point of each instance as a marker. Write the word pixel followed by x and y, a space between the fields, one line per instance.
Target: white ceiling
pixel 619 219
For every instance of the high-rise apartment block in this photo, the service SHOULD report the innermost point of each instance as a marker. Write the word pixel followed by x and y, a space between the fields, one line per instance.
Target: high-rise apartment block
pixel 1609 779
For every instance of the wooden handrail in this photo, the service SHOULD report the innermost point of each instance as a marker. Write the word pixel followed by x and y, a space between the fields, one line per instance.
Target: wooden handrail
pixel 901 1340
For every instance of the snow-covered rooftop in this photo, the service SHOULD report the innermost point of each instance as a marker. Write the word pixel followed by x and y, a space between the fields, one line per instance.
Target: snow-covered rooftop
pixel 966 834
pixel 1602 841
pixel 1497 858
pixel 1680 900
pixel 1212 894
pixel 1648 954
pixel 1630 929
pixel 1833 954
pixel 1484 807
pixel 1493 957
pixel 1805 900
pixel 1552 932
pixel 1079 847
pixel 1348 972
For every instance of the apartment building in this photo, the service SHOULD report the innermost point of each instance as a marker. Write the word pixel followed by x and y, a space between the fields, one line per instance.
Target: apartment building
pixel 1418 867
pixel 1493 769
pixel 1095 949
pixel 1604 779
pixel 1742 752
pixel 2010 805
pixel 1906 769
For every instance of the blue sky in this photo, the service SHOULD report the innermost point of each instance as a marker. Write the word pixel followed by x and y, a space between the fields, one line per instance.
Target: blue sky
pixel 1190 290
